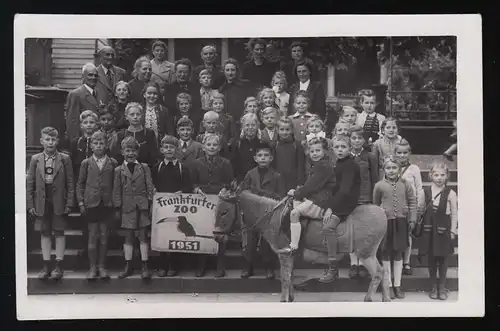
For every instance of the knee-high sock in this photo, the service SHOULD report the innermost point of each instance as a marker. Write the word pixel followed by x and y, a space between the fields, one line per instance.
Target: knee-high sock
pixel 407 253
pixel 387 269
pixel 443 269
pixel 354 259
pixel 144 247
pixel 60 247
pixel 46 244
pixel 295 229
pixel 128 251
pixel 398 271
pixel 432 266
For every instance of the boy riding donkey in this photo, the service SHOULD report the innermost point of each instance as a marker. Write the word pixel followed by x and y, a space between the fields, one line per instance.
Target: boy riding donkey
pixel 342 200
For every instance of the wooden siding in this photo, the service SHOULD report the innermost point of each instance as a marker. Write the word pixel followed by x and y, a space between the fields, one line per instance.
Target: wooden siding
pixel 68 58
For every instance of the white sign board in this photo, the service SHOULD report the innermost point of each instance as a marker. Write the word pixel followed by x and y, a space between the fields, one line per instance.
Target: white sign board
pixel 184 223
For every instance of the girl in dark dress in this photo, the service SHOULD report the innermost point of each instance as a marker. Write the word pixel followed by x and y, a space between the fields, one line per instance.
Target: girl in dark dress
pixel 148 145
pixel 142 75
pixel 439 228
pixel 117 105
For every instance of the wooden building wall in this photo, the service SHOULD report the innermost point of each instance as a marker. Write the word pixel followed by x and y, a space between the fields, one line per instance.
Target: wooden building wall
pixel 68 58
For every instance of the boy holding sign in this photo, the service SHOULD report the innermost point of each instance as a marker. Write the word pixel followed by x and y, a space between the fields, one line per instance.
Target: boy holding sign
pixel 170 176
pixel 210 174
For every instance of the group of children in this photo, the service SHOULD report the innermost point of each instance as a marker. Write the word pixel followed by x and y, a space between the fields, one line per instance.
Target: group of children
pixel 115 175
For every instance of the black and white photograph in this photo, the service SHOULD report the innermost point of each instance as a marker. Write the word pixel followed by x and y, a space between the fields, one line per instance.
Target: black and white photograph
pixel 171 170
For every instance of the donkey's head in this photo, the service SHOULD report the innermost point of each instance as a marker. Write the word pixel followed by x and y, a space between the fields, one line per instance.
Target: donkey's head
pixel 226 211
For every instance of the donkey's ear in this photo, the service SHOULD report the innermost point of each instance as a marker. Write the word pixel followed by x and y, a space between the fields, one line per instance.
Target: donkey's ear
pixel 234 185
pixel 239 188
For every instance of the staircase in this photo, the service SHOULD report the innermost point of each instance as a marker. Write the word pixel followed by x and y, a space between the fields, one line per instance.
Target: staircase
pixel 76 265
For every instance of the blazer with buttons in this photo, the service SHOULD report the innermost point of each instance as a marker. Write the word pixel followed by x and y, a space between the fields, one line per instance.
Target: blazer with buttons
pixel 272 184
pixel 95 185
pixel 211 177
pixel 63 191
pixel 132 190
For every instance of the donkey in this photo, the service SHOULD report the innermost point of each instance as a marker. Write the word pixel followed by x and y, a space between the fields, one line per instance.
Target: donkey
pixel 362 233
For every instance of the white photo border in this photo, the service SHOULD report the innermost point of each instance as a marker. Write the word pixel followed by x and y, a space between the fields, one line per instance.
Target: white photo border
pixel 467 29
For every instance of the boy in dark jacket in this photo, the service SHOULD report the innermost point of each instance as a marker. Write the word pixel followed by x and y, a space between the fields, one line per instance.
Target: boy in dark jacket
pixel 211 173
pixel 170 176
pixel 343 201
pixel 262 180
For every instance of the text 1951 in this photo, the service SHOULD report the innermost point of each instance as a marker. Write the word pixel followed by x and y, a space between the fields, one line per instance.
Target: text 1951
pixel 180 245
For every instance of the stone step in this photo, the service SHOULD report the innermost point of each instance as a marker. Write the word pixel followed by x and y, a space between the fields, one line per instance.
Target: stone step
pixel 74 282
pixel 76 259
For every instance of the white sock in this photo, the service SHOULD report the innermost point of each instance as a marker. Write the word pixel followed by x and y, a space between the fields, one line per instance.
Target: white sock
pixel 387 270
pixel 60 247
pixel 398 270
pixel 295 229
pixel 354 259
pixel 144 247
pixel 46 244
pixel 407 254
pixel 128 251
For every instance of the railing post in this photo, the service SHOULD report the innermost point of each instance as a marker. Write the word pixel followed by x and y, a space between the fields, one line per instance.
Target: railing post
pixel 171 50
pixel 224 52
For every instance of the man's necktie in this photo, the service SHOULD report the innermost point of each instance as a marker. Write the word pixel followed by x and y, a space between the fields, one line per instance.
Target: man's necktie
pixel 110 79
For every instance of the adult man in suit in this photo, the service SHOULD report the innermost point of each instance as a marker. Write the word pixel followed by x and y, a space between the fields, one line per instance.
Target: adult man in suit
pixel 109 74
pixel 82 98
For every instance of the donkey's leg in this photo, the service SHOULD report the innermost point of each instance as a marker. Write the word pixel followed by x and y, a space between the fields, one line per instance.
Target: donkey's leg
pixel 377 273
pixel 286 269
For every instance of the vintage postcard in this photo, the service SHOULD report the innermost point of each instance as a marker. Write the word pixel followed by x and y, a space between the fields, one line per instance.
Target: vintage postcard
pixel 278 166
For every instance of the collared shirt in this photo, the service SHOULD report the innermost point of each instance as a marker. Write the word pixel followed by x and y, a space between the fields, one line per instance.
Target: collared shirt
pixel 185 144
pixel 305 85
pixel 316 135
pixel 205 94
pixel 270 133
pixel 100 161
pixel 165 162
pixel 90 89
pixel 354 154
pixel 49 167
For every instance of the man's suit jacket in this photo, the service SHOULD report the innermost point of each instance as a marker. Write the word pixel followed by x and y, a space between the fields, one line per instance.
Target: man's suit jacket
pixel 131 190
pixel 78 101
pixel 104 90
pixel 95 184
pixel 62 187
pixel 272 184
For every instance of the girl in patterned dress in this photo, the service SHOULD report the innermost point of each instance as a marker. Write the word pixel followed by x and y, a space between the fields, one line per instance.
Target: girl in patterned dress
pixel 280 85
pixel 156 116
pixel 149 152
pixel 385 145
pixel 395 196
pixel 411 173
